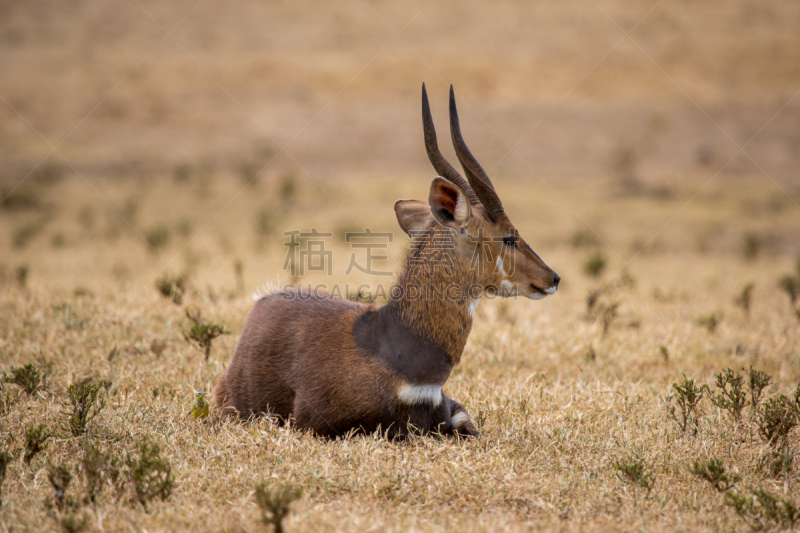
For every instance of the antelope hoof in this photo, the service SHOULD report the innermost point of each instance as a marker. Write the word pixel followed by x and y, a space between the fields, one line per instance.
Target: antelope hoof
pixel 462 424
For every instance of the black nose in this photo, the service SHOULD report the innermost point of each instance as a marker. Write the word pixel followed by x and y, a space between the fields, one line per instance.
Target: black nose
pixel 556 280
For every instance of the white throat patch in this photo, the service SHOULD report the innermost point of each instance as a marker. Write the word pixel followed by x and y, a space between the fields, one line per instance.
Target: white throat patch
pixel 419 394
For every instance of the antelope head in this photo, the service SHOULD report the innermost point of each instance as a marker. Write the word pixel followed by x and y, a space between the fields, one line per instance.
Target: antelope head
pixel 484 236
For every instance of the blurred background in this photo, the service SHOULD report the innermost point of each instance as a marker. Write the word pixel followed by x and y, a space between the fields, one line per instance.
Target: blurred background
pixel 140 137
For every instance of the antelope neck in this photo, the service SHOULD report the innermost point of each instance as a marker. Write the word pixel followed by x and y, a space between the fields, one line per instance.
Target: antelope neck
pixel 415 359
pixel 421 333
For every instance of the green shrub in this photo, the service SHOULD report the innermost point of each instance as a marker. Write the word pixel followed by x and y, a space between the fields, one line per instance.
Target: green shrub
pixel 288 189
pixel 28 378
pixel 633 469
pixel 99 469
pixel 7 399
pixel 158 237
pixel 172 287
pixel 84 404
pixel 763 511
pixel 150 475
pixel 664 353
pixel 777 419
pixel 275 504
pixel 265 221
pixel 688 396
pixel 60 478
pixel 710 322
pixel 595 265
pixel 35 441
pixel 791 286
pixel 583 238
pixel 21 273
pixel 200 334
pixel 745 298
pixel 751 246
pixel 713 471
pixel 731 396
pixel 758 382
pixel 67 516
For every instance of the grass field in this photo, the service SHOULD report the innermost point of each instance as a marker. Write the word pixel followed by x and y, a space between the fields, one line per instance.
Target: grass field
pixel 262 118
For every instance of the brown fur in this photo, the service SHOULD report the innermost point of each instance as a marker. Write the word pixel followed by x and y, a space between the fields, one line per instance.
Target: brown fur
pixel 333 365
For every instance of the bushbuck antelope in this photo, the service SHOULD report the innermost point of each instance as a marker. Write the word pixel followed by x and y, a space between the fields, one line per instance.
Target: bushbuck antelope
pixel 334 365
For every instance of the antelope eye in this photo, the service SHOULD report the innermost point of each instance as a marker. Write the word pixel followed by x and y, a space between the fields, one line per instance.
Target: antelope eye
pixel 511 242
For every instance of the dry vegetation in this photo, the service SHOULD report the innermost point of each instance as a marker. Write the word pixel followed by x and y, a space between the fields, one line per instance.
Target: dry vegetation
pixel 629 400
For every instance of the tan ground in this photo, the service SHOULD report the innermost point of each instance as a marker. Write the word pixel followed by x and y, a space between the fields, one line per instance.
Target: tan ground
pixel 632 142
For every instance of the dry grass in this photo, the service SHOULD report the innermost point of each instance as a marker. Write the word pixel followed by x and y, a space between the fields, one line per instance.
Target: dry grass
pixel 98 270
pixel 554 421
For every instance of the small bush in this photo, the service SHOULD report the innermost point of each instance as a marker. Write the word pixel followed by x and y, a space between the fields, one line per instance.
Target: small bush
pixel 751 246
pixel 607 314
pixel 158 237
pixel 59 478
pixel 791 286
pixel 7 399
pixel 782 464
pixel 157 347
pixel 745 298
pixel 172 287
pixel 664 353
pixel 627 280
pixel 758 382
pixel 99 469
pixel 764 511
pixel 275 504
pixel 200 334
pixel 688 397
pixel 591 354
pixel 593 298
pixel 28 378
pixel 35 441
pixel 21 198
pixel 731 396
pixel 21 273
pixel 150 475
pixel 67 516
pixel 595 265
pixel 72 523
pixel 265 222
pixel 83 406
pixel 777 419
pixel 710 322
pixel 714 472
pixel 288 189
pixel 633 470
pixel 583 238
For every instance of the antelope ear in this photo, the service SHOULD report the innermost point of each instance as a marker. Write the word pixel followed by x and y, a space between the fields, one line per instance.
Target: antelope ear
pixel 412 215
pixel 449 204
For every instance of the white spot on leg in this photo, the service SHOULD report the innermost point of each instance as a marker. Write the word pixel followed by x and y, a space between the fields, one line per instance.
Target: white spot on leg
pixel 418 394
pixel 459 419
